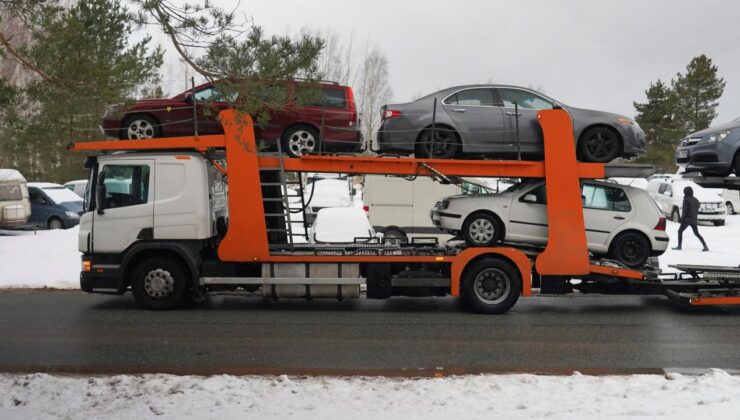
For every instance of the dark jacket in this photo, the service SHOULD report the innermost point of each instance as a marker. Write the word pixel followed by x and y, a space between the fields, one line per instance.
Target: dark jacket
pixel 690 211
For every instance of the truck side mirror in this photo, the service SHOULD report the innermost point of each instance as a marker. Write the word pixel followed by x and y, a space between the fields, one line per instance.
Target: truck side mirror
pixel 100 193
pixel 530 198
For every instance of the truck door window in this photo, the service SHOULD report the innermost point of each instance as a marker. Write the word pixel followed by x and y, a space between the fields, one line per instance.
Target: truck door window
pixel 126 185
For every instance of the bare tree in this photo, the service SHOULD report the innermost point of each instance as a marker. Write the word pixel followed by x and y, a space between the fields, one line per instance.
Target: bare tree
pixel 373 90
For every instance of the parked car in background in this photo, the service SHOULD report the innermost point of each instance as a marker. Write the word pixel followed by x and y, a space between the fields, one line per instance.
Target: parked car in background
pixel 481 120
pixel 668 193
pixel 400 208
pixel 53 206
pixel 15 207
pixel 341 225
pixel 640 183
pixel 330 124
pixel 78 187
pixel 621 222
pixel 324 193
pixel 732 200
pixel 714 151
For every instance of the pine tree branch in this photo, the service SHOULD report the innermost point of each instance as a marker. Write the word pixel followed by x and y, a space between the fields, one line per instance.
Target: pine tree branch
pixel 23 61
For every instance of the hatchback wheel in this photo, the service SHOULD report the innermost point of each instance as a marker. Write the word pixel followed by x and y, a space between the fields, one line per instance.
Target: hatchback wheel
pixel 482 229
pixel 444 146
pixel 139 127
pixel 599 144
pixel 631 249
pixel 300 140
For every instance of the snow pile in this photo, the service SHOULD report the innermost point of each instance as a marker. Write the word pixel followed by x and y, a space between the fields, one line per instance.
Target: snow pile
pixel 48 258
pixel 40 396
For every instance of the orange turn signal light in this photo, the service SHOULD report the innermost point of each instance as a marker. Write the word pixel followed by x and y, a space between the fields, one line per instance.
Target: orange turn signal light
pixel 86 266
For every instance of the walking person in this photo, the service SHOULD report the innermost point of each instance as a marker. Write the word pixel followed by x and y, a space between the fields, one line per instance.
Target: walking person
pixel 689 217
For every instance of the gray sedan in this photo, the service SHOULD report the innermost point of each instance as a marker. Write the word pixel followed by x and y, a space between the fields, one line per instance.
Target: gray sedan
pixel 714 151
pixel 481 120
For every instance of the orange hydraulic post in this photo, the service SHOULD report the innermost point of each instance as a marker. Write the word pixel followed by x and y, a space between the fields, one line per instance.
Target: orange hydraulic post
pixel 246 238
pixel 566 251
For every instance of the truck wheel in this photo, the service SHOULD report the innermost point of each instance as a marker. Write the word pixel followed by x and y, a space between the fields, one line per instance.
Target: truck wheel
pixel 158 283
pixel 631 249
pixel 491 286
pixel 675 215
pixel 482 229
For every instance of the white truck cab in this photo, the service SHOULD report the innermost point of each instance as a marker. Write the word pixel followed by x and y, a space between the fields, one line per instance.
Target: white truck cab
pixel 168 200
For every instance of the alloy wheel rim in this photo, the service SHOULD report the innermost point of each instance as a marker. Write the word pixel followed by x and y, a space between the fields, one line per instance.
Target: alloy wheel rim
pixel 440 145
pixel 601 145
pixel 481 231
pixel 491 286
pixel 140 129
pixel 159 283
pixel 301 142
pixel 631 251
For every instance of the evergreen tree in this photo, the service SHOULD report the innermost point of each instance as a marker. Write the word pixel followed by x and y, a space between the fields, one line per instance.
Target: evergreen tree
pixel 86 51
pixel 657 118
pixel 697 93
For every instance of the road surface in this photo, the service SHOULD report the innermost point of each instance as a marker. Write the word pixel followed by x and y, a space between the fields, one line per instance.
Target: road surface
pixel 73 332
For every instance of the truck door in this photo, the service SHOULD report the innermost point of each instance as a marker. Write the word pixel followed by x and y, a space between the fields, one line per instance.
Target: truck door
pixel 129 205
pixel 479 124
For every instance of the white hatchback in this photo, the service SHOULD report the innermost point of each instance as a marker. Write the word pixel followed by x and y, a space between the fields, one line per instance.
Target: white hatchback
pixel 622 222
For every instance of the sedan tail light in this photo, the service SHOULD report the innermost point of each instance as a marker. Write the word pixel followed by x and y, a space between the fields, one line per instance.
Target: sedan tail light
pixel 661 224
pixel 390 113
pixel 366 209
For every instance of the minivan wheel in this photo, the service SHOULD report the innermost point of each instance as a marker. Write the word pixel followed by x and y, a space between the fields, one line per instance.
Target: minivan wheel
pixel 138 127
pixel 55 223
pixel 394 234
pixel 631 249
pixel 675 215
pixel 491 286
pixel 599 144
pixel 158 283
pixel 730 208
pixel 444 146
pixel 300 140
pixel 482 229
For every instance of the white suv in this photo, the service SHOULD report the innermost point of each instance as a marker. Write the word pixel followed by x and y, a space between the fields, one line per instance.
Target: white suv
pixel 668 193
pixel 622 222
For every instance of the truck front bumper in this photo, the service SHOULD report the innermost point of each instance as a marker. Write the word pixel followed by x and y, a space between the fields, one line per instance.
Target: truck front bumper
pixel 100 278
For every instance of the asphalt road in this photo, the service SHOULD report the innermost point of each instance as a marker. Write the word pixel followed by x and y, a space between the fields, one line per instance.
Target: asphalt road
pixel 74 332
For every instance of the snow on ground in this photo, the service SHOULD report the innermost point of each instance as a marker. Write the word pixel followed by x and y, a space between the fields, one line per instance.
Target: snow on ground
pixel 48 258
pixel 723 243
pixel 715 395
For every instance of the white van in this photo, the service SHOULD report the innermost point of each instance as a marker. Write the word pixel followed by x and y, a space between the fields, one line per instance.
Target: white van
pixel 15 207
pixel 400 208
pixel 78 187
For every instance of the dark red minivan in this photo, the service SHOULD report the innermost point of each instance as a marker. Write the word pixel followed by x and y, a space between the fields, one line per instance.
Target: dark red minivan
pixel 329 126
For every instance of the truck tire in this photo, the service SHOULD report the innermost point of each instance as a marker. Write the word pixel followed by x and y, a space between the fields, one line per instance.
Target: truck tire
pixel 159 283
pixel 490 286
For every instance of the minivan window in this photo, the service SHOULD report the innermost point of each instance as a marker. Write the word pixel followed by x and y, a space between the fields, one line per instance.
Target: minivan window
pixel 126 185
pixel 523 98
pixel 334 98
pixel 472 97
pixel 10 192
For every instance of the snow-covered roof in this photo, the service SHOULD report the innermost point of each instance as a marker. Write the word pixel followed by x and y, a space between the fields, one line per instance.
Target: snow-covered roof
pixel 43 185
pixel 11 175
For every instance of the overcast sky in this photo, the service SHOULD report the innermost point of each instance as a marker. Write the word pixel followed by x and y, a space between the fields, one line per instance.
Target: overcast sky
pixel 591 54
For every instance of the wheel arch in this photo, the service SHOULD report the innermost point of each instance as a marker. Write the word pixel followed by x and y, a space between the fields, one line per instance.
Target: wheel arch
pixel 296 124
pixel 469 256
pixel 489 212
pixel 177 252
pixel 458 137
